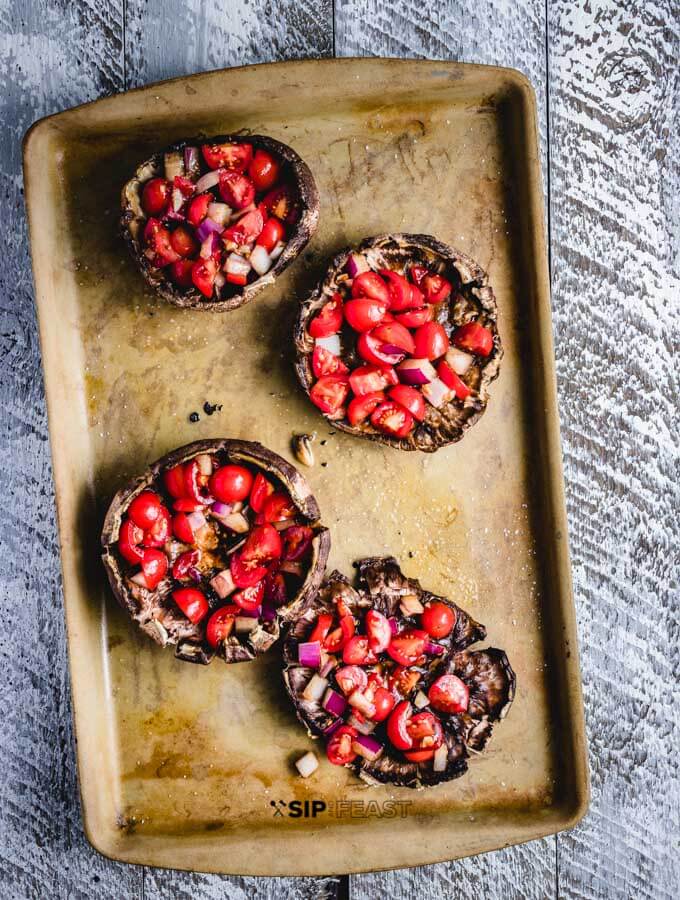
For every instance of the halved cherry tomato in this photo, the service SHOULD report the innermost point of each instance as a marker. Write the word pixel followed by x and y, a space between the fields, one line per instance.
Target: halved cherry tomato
pixel 227 156
pixel 395 335
pixel 328 320
pixel 452 380
pixel 425 731
pixel 198 209
pixel 404 680
pixel 339 748
pixel 275 592
pixel 282 202
pixel 418 273
pixel 145 509
pixel 392 419
pixel 262 545
pixel 408 646
pixel 155 196
pixel 337 638
pixel 250 599
pixel 330 393
pixel 399 289
pixel 180 272
pixel 410 398
pixel 361 407
pixel 449 694
pixel 184 562
pixel 245 573
pixel 154 567
pixel 417 296
pixel 370 284
pixel 129 539
pixel 264 170
pixel 383 701
pixel 431 341
pixel 244 231
pixel 238 191
pixel 378 631
pixel 159 532
pixel 326 363
pixel 196 484
pixel 192 602
pixel 220 624
pixel 435 288
pixel 182 529
pixel 184 185
pixel 374 351
pixel 272 232
pixel 438 619
pixel 474 338
pixel 397 723
pixel 368 379
pixel 297 541
pixel 157 238
pixel 364 313
pixel 260 491
pixel 203 275
pixel 356 651
pixel 414 318
pixel 183 242
pixel 277 508
pixel 321 627
pixel 351 678
pixel 188 505
pixel 231 483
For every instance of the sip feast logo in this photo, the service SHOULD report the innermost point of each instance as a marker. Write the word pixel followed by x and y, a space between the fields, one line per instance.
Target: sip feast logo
pixel 298 809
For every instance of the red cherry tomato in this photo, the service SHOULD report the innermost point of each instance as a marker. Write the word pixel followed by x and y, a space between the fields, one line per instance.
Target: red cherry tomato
pixel 339 748
pixel 277 508
pixel 182 529
pixel 198 209
pixel 376 352
pixel 370 284
pixel 407 647
pixel 264 170
pixel 410 398
pixel 474 338
pixel 336 639
pixel 356 651
pixel 260 491
pixel 230 484
pixel 129 539
pixel 145 509
pixel 378 631
pixel 426 733
pixel 414 318
pixel 157 238
pixel 321 627
pixel 452 380
pixel 392 419
pixel 154 567
pixel 364 313
pixel 282 202
pixel 368 379
pixel 435 288
pixel 397 723
pixel 196 484
pixel 330 393
pixel 245 573
pixel 417 297
pixel 262 545
pixel 244 231
pixel 431 341
pixel 351 678
pixel 404 680
pixel 328 320
pixel 297 542
pixel 221 624
pixel 383 701
pixel 173 479
pixel 183 242
pixel 272 232
pixel 192 602
pixel 449 694
pixel 227 156
pixel 155 196
pixel 438 619
pixel 326 363
pixel 184 562
pixel 185 505
pixel 399 289
pixel 250 599
pixel 238 191
pixel 395 335
pixel 157 535
pixel 203 275
pixel 180 272
pixel 184 185
pixel 361 407
pixel 417 273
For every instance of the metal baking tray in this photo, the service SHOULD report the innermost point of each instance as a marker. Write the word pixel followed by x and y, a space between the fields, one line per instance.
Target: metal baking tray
pixel 191 767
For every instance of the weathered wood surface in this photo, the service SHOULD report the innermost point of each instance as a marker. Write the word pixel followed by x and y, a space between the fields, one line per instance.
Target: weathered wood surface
pixel 608 74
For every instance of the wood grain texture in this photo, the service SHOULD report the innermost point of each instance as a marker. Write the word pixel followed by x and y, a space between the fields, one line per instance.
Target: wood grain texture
pixel 615 152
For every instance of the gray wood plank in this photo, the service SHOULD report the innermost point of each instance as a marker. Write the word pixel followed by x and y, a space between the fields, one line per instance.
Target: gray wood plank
pixel 52 55
pixel 500 34
pixel 615 151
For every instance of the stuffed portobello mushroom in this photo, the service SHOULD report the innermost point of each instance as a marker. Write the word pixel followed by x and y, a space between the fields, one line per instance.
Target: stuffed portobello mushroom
pixel 212 222
pixel 213 547
pixel 399 342
pixel 385 675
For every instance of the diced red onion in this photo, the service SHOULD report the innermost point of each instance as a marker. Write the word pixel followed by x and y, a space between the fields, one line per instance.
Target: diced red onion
pixel 246 624
pixel 434 649
pixel 282 525
pixel 327 664
pixel 194 574
pixel 309 654
pixel 411 605
pixel 207 181
pixel 394 625
pixel 173 163
pixel 210 246
pixel 307 764
pixel 260 260
pixel 223 584
pixel 205 463
pixel 177 199
pixel 334 703
pixel 459 361
pixel 207 228
pixel 235 522
pixel 268 614
pixel 416 371
pixel 335 724
pixel 221 509
pixel 393 350
pixel 437 393
pixel 330 343
pixel 251 613
pixel 219 283
pixel 362 725
pixel 420 700
pixel 174 216
pixel 191 162
pixel 367 746
pixel 236 265
pixel 219 212
pixel 440 758
pixel 356 264
pixel 196 520
pixel 278 250
pixel 362 703
pixel 316 688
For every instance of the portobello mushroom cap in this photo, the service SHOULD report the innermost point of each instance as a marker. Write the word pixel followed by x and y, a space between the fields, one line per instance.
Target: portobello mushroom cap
pixel 487 673
pixel 134 218
pixel 155 612
pixel 472 298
